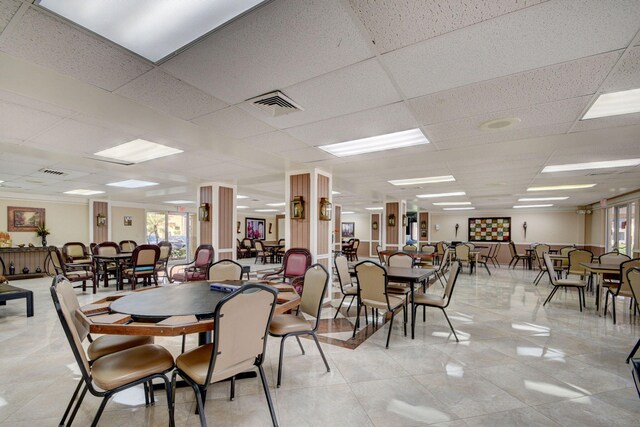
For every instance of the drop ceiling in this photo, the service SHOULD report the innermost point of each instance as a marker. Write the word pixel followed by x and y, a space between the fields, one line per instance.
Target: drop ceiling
pixel 358 68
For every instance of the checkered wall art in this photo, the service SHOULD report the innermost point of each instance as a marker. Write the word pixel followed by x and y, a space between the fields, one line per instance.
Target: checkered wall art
pixel 490 229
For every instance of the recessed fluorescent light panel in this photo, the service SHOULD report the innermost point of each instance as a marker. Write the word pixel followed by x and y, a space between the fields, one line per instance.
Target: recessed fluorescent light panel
pixel 266 210
pixel 241 197
pixel 276 204
pixel 347 212
pixel 451 203
pixel 614 104
pixel 242 207
pixel 592 165
pixel 377 208
pixel 541 199
pixel 180 202
pixel 138 151
pixel 458 209
pixel 132 183
pixel 427 180
pixel 390 141
pixel 428 196
pixel 561 187
pixel 335 193
pixel 83 192
pixel 151 28
pixel 532 206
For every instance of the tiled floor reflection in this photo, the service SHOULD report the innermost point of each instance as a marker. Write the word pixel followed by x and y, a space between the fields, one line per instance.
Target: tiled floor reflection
pixel 517 363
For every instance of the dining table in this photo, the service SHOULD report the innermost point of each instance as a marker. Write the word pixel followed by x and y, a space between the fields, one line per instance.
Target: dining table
pixel 599 270
pixel 119 259
pixel 272 248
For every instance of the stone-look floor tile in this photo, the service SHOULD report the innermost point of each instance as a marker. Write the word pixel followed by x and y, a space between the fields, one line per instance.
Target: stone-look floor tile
pixel 400 402
pixel 367 365
pixel 334 405
pixel 587 411
pixel 626 399
pixel 250 410
pixel 467 394
pixel 516 417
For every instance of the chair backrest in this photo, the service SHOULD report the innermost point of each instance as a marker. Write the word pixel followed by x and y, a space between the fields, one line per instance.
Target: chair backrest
pixel 204 256
pixel 342 267
pixel 106 248
pixel 281 242
pixel 128 245
pixel 57 260
pixel 241 328
pixel 145 257
pixel 356 244
pixel 316 279
pixel 440 247
pixel 633 279
pixel 625 287
pixel 613 258
pixel 372 282
pixel 75 250
pixel 462 252
pixel 63 300
pixel 259 245
pixel 225 269
pixel 540 250
pixel 428 249
pixel 445 260
pixel 247 243
pixel 165 251
pixel 550 270
pixel 565 251
pixel 295 262
pixel 400 259
pixel 576 257
pixel 498 246
pixel 512 249
pixel 380 256
pixel 409 248
pixel 451 282
pixel 471 245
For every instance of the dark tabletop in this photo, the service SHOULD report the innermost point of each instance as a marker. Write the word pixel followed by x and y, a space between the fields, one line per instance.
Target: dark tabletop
pixel 408 274
pixel 194 298
pixel 114 257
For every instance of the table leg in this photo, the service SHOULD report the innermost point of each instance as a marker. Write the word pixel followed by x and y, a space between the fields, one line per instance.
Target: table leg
pixel 413 308
pixel 30 304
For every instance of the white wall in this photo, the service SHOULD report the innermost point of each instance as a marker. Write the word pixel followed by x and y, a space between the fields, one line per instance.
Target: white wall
pixel 134 232
pixel 362 225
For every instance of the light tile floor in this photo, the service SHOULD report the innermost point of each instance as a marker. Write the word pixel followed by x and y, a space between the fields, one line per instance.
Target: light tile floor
pixel 518 363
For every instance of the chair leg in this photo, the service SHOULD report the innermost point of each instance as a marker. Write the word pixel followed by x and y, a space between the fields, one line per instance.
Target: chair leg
pixel 485 266
pixel 550 296
pixel 146 394
pixel 300 344
pixel 280 361
pixel 633 351
pixel 267 394
pixel 339 306
pixel 71 402
pixel 450 325
pixel 353 298
pixel 580 299
pixel 613 308
pixel 357 322
pixel 324 359
pixel 75 409
pixel 538 277
pixel 200 403
pixel 170 396
pixel 99 413
pixel 232 392
pixel 404 315
pixel 390 327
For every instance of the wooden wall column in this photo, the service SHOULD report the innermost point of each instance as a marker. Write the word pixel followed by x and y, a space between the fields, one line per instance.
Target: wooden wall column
pixel 99 233
pixel 394 235
pixel 220 230
pixel 423 232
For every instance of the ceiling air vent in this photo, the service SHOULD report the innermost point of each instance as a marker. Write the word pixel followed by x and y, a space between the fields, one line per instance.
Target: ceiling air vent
pixel 274 104
pixel 52 172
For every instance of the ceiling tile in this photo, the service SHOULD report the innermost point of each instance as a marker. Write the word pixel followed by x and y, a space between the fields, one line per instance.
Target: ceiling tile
pixel 8 8
pixel 233 122
pixel 356 87
pixel 564 111
pixel 306 155
pixel 376 121
pixel 627 74
pixel 51 43
pixel 159 90
pixel 607 122
pixel 278 45
pixel 398 23
pixel 34 104
pixel 19 122
pixel 556 82
pixel 273 142
pixel 535 37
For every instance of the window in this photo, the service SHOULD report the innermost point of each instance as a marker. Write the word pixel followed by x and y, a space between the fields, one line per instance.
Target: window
pixel 176 228
pixel 621 227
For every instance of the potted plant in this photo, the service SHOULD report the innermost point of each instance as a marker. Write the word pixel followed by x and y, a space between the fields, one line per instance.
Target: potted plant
pixel 42 232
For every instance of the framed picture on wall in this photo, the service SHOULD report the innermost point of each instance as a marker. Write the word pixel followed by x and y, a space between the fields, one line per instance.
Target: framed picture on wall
pixel 490 229
pixel 254 228
pixel 348 229
pixel 24 219
pixel 128 221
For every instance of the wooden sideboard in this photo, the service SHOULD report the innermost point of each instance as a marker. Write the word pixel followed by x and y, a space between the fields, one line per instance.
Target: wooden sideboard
pixel 31 257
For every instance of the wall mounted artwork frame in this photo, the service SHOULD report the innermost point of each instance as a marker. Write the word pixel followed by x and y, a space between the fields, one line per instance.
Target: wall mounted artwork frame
pixel 24 219
pixel 254 228
pixel 490 229
pixel 348 229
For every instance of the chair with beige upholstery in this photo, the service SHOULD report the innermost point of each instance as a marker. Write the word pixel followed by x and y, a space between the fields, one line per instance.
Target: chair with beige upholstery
pixel 109 268
pixel 633 277
pixel 441 302
pixel 409 248
pixel 73 274
pixel 76 255
pixel 493 254
pixel 463 255
pixel 241 322
pixel 576 258
pixel 127 245
pixel 261 252
pixel 248 244
pixel 289 325
pixel 540 250
pixel 516 257
pixel 614 257
pixel 163 259
pixel 402 260
pixel 380 256
pixel 443 267
pixel 143 266
pixel 241 251
pixel 373 292
pixel 564 264
pixel 624 289
pixel 224 270
pixel 563 283
pixel 426 262
pixel 440 247
pixel 351 251
pixel 347 288
pixel 111 363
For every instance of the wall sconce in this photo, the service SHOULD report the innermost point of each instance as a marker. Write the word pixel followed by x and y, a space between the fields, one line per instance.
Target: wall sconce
pixel 325 209
pixel 457 226
pixel 524 227
pixel 203 212
pixel 101 220
pixel 404 220
pixel 297 208
pixel 423 225
pixel 392 220
pixel 238 228
pixel 374 225
pixel 270 227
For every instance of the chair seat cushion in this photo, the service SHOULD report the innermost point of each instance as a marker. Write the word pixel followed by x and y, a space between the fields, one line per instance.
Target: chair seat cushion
pixel 126 366
pixel 189 276
pixel 139 271
pixel 429 299
pixel 570 282
pixel 394 302
pixel 108 344
pixel 286 323
pixel 350 290
pixel 77 275
pixel 398 289
pixel 195 364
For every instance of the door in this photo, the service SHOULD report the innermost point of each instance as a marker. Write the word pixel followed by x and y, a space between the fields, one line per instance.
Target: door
pixel 178 228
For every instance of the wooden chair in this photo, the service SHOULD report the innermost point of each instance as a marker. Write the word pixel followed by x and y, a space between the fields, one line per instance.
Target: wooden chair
pixel 74 274
pixel 163 260
pixel 106 269
pixel 197 269
pixel 143 266
pixel 261 252
pixel 295 263
pixel 76 254
pixel 352 251
pixel 224 270
pixel 127 245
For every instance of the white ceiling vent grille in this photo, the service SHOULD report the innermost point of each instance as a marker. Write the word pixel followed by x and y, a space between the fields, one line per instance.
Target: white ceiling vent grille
pixel 53 172
pixel 274 104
